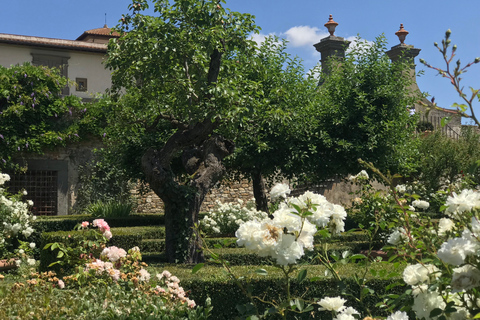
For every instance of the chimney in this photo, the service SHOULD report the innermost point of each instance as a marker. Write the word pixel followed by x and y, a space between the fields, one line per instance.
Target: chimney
pixel 331 46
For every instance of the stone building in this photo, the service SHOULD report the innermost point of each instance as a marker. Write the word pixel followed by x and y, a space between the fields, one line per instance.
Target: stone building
pixel 51 179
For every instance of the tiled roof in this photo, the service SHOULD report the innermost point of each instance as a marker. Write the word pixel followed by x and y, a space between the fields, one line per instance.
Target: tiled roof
pixel 105 31
pixel 53 43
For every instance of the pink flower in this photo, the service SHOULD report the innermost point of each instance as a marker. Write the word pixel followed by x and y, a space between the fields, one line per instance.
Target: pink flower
pixel 191 303
pixel 61 284
pixel 101 224
pixel 85 224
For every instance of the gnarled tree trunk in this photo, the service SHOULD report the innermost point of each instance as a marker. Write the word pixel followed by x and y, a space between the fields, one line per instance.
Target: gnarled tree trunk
pixel 202 155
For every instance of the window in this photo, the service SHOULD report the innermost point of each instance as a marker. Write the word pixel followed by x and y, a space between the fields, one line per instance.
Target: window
pixel 53 61
pixel 81 84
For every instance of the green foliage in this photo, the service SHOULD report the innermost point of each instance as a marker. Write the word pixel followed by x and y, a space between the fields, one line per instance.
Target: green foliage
pixel 104 181
pixel 277 138
pixel 98 302
pixel 372 210
pixel 34 114
pixel 226 297
pixel 76 251
pixel 364 112
pixel 423 126
pixel 109 209
pixel 122 237
pixel 443 161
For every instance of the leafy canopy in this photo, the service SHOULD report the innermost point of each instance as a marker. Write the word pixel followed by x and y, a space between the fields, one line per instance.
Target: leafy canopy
pixel 33 113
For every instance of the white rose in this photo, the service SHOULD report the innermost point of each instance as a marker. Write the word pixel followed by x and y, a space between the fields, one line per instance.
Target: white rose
pixel 465 278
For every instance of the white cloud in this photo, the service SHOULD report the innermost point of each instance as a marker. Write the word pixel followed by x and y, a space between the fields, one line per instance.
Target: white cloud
pixel 259 38
pixel 301 36
pixel 355 44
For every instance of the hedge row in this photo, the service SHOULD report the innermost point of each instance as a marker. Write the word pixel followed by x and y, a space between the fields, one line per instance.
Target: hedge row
pixel 225 295
pixel 122 238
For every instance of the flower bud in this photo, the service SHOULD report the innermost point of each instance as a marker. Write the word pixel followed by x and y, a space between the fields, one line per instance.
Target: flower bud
pixel 448 33
pixel 477 60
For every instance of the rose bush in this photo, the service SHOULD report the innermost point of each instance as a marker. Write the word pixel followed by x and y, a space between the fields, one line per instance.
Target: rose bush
pixel 15 220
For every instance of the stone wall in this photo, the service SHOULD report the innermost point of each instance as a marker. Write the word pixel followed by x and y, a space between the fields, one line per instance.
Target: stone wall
pixel 337 190
pixel 227 192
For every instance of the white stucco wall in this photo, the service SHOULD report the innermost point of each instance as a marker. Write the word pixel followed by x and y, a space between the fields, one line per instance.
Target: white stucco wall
pixel 81 64
pixel 12 55
pixel 90 66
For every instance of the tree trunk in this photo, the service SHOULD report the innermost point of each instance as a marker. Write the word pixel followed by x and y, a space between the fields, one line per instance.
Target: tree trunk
pixel 203 163
pixel 260 191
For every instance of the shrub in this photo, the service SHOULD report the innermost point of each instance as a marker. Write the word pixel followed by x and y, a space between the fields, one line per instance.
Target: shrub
pixel 15 219
pixel 103 181
pixel 423 126
pixel 225 218
pixel 109 209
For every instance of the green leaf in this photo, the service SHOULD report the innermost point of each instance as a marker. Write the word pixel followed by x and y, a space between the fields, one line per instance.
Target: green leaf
pixel 302 275
pixel 445 121
pixel 197 267
pixel 435 312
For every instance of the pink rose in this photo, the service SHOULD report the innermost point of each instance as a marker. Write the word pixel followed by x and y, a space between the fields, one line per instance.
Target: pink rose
pixel 85 224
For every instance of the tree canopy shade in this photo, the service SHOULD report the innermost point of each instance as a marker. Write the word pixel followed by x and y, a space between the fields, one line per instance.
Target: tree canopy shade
pixel 180 74
pixel 34 115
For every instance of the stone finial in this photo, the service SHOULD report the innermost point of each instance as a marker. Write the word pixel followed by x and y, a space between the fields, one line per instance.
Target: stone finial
pixel 401 34
pixel 331 25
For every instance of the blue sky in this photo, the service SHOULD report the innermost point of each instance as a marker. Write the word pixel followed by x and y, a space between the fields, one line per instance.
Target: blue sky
pixel 300 21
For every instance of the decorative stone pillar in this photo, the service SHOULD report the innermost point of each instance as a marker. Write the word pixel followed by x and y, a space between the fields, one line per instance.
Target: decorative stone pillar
pixel 331 46
pixel 405 52
pixel 402 50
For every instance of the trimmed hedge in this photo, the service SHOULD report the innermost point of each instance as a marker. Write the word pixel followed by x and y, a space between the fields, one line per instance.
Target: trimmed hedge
pixel 225 295
pixel 122 237
pixel 67 223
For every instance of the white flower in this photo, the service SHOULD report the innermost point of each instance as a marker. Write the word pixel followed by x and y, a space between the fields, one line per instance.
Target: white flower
pixel 401 188
pixel 445 225
pixel 24 192
pixel 344 316
pixel 421 204
pixel 399 315
pixel 465 278
pixel 280 190
pixel 31 262
pixel 332 304
pixel 108 234
pixel 288 251
pixel 425 302
pixel 363 175
pixel 397 236
pixel 113 253
pixel 465 201
pixel 144 275
pixel 454 251
pixel 418 273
